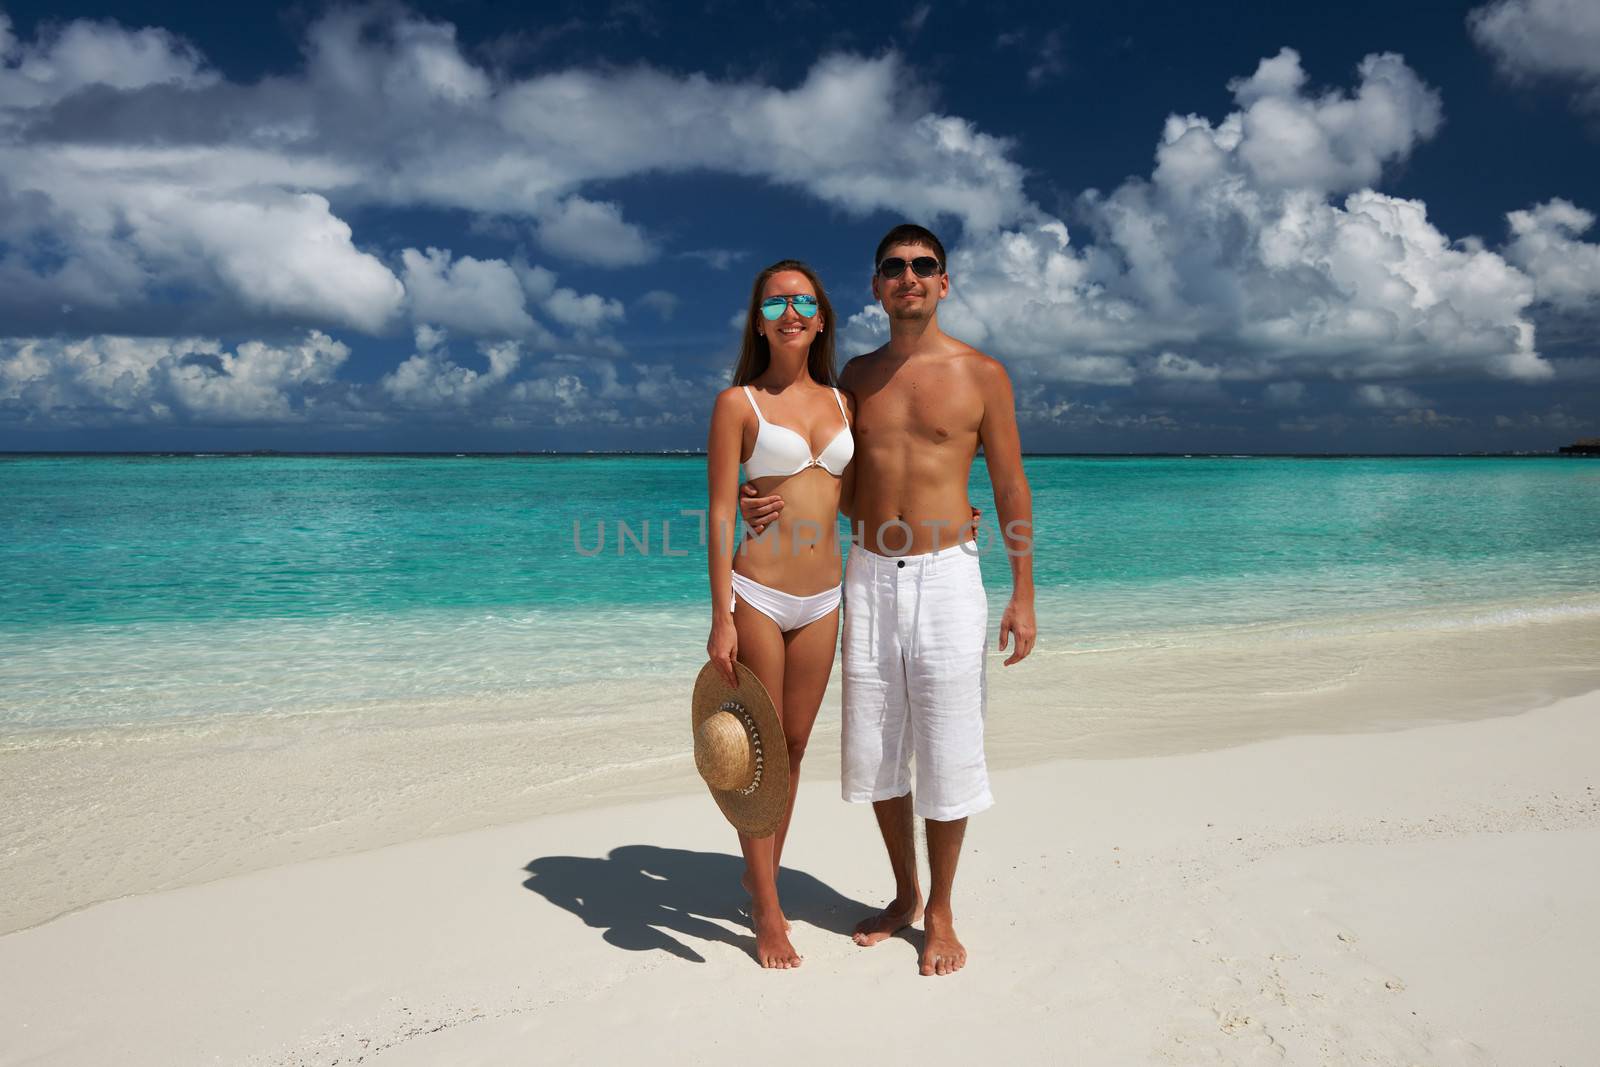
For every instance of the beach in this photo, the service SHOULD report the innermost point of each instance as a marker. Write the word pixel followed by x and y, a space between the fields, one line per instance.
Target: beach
pixel 1416 896
pixel 367 763
pixel 170 804
pixel 384 388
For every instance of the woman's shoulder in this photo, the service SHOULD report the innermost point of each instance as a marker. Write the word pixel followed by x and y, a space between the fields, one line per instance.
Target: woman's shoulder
pixel 730 401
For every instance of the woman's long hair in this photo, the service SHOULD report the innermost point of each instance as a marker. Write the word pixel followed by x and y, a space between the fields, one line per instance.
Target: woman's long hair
pixel 754 355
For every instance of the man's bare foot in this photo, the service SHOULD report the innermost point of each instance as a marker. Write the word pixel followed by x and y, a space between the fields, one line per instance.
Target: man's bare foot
pixel 744 880
pixel 941 952
pixel 773 949
pixel 888 922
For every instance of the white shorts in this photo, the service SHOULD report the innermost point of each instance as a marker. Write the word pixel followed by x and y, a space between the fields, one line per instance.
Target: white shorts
pixel 914 634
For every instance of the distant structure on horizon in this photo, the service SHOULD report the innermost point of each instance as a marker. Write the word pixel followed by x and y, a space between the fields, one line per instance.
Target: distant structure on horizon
pixel 1587 446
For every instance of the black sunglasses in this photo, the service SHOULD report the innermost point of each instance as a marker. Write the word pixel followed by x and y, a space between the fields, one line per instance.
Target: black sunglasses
pixel 922 267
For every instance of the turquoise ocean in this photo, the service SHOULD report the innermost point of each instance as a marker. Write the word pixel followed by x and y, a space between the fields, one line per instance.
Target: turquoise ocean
pixel 144 589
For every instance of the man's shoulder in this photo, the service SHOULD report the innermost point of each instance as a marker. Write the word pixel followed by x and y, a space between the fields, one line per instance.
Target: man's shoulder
pixel 974 361
pixel 859 364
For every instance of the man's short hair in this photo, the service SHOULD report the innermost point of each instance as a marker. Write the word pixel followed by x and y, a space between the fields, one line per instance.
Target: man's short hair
pixel 909 233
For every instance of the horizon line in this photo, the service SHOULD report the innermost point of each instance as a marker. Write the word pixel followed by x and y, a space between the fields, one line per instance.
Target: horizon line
pixel 700 453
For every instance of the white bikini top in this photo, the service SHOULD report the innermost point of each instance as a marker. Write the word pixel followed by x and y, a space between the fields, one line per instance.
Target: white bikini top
pixel 781 452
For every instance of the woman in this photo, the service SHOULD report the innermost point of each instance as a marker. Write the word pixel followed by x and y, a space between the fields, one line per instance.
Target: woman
pixel 775 598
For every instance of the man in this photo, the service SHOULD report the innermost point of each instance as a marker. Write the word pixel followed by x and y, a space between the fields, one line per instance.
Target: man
pixel 916 615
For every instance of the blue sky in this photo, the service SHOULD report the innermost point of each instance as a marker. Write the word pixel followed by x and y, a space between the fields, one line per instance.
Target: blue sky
pixel 453 227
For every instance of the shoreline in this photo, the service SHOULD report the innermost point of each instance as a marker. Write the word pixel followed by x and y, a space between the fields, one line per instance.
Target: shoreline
pixel 1076 630
pixel 228 797
pixel 1416 895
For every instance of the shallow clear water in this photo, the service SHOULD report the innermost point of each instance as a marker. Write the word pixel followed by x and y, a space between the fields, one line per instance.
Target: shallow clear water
pixel 141 588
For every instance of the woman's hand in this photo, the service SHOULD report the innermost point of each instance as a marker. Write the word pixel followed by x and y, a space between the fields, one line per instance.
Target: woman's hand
pixel 723 647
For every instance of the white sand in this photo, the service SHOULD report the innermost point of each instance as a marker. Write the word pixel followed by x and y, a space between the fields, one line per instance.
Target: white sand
pixel 158 807
pixel 1415 897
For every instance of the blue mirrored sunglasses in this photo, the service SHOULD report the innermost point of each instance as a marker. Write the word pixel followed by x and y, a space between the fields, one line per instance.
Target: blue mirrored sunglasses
pixel 773 307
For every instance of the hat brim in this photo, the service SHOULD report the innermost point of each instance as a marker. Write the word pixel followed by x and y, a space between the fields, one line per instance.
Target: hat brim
pixel 759 812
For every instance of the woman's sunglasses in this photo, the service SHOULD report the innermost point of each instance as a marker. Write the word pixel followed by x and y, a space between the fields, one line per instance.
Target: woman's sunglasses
pixel 922 267
pixel 773 307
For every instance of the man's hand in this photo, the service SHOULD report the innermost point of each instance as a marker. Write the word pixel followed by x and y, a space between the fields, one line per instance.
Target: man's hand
pixel 977 521
pixel 758 512
pixel 1018 620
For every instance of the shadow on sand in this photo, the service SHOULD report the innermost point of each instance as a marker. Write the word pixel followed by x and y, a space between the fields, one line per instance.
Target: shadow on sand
pixel 641 895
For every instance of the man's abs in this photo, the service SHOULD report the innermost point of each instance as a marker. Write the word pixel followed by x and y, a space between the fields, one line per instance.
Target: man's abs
pixel 906 511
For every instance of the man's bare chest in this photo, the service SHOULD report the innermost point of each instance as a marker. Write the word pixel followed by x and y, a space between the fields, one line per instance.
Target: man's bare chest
pixel 932 407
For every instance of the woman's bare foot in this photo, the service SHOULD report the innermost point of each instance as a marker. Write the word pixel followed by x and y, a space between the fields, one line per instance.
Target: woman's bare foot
pixel 941 952
pixel 744 880
pixel 773 949
pixel 888 922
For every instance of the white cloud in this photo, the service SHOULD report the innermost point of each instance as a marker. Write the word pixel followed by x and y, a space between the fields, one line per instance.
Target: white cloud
pixel 1256 250
pixel 1174 367
pixel 865 124
pixel 539 282
pixel 125 380
pixel 1387 396
pixel 587 311
pixel 280 252
pixel 561 400
pixel 242 213
pixel 661 302
pixel 1533 39
pixel 508 392
pixel 362 53
pixel 1233 255
pixel 716 258
pixel 119 233
pixel 1330 143
pixel 595 233
pixel 431 381
pixel 62 60
pixel 1565 270
pixel 571 390
pixel 1036 406
pixel 525 147
pixel 475 296
pixel 1422 418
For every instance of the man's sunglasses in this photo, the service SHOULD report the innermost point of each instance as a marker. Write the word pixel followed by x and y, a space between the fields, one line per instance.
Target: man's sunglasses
pixel 773 307
pixel 922 267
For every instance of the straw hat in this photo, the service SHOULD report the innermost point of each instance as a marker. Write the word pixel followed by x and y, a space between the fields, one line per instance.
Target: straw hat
pixel 739 749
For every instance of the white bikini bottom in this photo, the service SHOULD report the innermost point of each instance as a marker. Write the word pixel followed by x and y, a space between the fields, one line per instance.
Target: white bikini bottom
pixel 790 612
